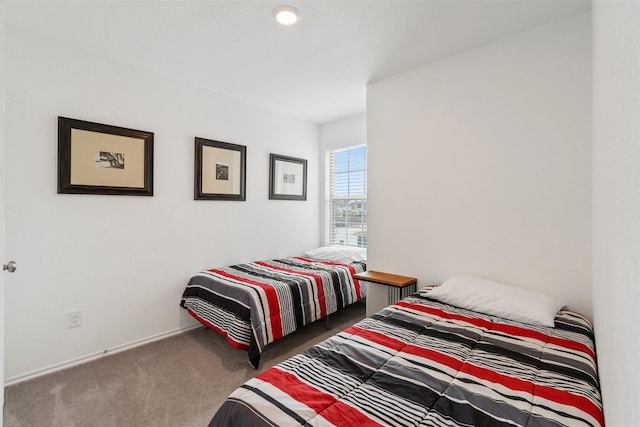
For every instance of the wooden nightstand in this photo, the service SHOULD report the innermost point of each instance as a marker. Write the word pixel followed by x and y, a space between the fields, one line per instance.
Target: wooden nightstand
pixel 399 286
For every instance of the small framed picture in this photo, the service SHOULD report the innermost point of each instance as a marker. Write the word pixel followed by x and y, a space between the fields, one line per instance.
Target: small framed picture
pixel 287 178
pixel 220 170
pixel 94 158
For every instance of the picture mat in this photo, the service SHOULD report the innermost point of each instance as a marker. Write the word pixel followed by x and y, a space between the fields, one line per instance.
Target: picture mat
pixel 283 168
pixel 212 156
pixel 84 171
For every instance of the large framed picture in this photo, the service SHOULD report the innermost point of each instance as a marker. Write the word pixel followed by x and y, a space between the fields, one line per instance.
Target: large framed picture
pixel 287 178
pixel 220 170
pixel 94 158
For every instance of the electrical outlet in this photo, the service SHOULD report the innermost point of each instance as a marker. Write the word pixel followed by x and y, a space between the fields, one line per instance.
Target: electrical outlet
pixel 74 319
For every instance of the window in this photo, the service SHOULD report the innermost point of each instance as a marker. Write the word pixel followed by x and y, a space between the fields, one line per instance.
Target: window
pixel 346 179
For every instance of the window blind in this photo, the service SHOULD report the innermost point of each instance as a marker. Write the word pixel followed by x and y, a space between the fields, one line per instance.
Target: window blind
pixel 347 196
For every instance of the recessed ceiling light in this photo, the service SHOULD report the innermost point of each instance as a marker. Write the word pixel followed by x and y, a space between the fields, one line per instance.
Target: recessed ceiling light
pixel 286 15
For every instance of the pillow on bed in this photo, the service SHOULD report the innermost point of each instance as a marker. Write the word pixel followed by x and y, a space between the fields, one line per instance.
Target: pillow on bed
pixel 340 254
pixel 498 299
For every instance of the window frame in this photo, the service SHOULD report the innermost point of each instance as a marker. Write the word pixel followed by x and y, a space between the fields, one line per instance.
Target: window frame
pixel 326 208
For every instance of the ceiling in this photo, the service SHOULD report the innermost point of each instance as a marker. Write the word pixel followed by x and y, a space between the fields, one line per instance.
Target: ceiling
pixel 316 70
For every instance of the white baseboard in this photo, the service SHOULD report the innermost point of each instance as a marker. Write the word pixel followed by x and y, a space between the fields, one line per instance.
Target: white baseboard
pixel 84 359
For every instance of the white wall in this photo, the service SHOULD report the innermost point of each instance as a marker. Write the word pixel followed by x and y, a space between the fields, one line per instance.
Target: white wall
pixel 336 134
pixel 480 164
pixel 616 205
pixel 341 133
pixel 123 260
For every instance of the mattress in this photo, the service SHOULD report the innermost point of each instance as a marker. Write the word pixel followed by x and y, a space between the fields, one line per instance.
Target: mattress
pixel 254 304
pixel 419 362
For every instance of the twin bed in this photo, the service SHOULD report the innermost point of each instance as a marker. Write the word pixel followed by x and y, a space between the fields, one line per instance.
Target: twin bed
pixel 257 303
pixel 424 361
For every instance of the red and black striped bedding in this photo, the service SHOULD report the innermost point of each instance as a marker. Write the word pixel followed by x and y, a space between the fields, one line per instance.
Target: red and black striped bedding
pixel 423 363
pixel 254 304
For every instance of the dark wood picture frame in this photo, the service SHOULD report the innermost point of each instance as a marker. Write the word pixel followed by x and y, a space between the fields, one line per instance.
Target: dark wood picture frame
pixel 287 178
pixel 95 158
pixel 220 170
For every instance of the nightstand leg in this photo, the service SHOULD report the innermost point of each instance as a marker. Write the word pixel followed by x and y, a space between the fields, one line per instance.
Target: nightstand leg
pixel 408 290
pixel 395 294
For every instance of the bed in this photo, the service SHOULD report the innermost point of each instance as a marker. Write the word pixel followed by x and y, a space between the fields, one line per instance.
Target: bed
pixel 423 362
pixel 254 304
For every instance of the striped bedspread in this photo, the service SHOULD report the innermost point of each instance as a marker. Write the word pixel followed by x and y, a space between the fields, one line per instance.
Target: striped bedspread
pixel 423 363
pixel 256 303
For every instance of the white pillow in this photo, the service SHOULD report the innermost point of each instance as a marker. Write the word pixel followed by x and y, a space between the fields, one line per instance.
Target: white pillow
pixel 498 299
pixel 340 254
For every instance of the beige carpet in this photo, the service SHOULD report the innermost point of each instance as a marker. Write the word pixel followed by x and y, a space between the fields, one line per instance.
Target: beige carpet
pixel 179 381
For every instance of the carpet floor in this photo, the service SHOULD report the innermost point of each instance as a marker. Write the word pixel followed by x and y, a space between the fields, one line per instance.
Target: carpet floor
pixel 179 381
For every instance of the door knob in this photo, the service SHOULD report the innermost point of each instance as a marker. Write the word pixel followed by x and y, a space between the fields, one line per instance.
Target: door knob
pixel 11 266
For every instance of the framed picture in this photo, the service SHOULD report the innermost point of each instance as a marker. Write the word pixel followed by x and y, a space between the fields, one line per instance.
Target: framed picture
pixel 101 159
pixel 220 170
pixel 287 178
